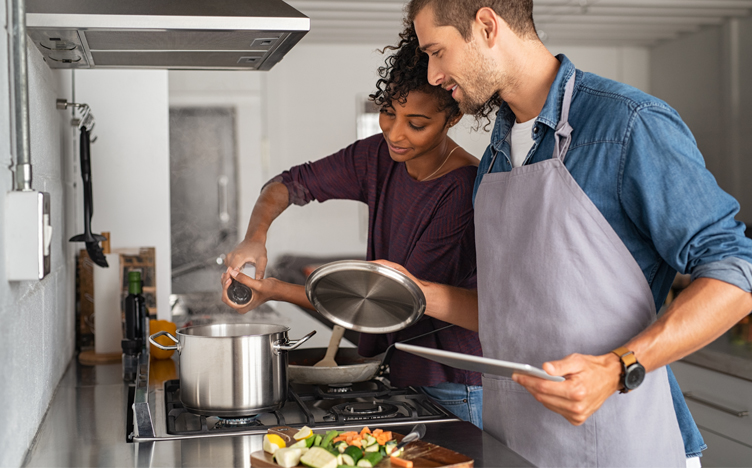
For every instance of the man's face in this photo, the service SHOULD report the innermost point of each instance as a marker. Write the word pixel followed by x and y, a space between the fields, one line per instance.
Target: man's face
pixel 457 65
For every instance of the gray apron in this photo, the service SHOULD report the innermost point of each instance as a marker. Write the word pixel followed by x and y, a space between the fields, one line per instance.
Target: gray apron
pixel 554 279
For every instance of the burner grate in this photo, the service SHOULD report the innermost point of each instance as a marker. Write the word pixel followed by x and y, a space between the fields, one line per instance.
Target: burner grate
pixel 311 406
pixel 180 421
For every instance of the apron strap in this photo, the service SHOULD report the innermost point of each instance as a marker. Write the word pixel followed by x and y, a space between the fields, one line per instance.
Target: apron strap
pixel 563 129
pixel 493 160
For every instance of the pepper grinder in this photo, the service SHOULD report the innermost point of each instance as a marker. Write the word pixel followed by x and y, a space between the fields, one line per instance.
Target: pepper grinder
pixel 239 293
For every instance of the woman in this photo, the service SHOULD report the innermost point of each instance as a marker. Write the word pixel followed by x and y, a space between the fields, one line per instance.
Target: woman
pixel 418 185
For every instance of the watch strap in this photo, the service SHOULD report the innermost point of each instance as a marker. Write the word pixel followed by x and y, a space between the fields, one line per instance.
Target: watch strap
pixel 627 358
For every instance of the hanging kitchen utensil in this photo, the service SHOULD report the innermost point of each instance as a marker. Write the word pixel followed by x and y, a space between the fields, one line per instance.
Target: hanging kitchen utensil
pixel 365 296
pixel 92 240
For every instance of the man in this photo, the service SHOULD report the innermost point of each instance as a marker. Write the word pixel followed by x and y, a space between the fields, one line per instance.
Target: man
pixel 590 197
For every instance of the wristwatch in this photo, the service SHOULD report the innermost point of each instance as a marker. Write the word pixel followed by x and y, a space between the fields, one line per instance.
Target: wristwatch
pixel 632 371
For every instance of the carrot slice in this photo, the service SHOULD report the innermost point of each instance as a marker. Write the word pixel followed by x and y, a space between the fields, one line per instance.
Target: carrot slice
pixel 357 443
pixel 401 462
pixel 365 430
pixel 376 432
pixel 388 435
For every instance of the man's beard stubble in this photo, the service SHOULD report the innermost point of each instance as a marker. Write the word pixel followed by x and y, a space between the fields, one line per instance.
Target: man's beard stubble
pixel 483 97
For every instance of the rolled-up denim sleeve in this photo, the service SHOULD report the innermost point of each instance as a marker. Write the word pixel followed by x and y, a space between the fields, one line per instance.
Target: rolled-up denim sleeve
pixel 732 270
pixel 676 202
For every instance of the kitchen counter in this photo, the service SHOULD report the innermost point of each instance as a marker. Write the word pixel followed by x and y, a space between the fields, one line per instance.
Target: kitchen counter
pixel 86 422
pixel 724 356
pixel 86 426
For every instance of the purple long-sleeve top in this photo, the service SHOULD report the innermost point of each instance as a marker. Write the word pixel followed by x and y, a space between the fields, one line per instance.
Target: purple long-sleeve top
pixel 425 226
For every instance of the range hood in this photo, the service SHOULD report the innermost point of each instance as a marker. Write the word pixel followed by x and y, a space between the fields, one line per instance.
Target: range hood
pixel 173 34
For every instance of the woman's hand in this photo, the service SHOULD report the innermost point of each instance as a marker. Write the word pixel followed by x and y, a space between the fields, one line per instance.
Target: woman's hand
pixel 248 251
pixel 263 290
pixel 396 266
pixel 448 303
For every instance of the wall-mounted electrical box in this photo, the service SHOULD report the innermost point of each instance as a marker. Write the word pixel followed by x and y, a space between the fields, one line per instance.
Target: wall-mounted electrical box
pixel 28 235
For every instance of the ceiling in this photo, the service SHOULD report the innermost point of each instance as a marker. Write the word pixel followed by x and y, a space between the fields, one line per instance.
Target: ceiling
pixel 641 23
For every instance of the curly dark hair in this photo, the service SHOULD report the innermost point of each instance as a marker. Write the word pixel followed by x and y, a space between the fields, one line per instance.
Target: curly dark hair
pixel 406 70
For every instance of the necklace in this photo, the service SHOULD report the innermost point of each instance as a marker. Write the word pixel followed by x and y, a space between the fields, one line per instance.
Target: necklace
pixel 442 165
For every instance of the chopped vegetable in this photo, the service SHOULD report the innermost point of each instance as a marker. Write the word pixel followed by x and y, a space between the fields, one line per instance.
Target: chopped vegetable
pixel 354 453
pixel 328 438
pixel 372 448
pixel 390 446
pixel 272 443
pixel 338 449
pixel 318 457
pixel 370 459
pixel 300 444
pixel 288 457
pixel 304 433
pixel 396 461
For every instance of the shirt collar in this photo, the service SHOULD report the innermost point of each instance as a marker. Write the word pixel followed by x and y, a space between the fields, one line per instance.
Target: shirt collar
pixel 550 113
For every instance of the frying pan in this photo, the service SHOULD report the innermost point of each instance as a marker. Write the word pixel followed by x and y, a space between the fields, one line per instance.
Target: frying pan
pixel 351 367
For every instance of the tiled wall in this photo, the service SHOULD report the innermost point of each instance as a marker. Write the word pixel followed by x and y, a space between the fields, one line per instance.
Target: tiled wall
pixel 36 317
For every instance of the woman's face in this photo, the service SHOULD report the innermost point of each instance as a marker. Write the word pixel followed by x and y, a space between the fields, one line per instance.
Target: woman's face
pixel 415 128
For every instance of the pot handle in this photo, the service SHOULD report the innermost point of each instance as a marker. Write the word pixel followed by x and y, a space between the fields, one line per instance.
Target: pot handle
pixel 294 343
pixel 161 346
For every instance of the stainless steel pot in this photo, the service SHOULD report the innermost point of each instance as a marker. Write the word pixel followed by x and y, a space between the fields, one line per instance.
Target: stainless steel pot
pixel 232 370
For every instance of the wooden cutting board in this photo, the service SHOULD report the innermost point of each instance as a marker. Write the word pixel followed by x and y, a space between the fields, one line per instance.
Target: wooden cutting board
pixel 423 454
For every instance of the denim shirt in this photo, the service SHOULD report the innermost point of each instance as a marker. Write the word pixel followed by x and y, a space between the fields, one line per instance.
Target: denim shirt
pixel 639 164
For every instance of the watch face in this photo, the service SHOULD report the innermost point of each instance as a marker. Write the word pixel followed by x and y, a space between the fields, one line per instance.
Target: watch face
pixel 634 376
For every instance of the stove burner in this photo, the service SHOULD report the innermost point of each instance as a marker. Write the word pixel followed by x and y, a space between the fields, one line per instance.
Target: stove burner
pixel 237 422
pixel 366 410
pixel 346 388
pixel 309 405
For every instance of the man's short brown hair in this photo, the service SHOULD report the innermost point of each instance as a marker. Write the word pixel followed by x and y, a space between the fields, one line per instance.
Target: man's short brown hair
pixel 460 14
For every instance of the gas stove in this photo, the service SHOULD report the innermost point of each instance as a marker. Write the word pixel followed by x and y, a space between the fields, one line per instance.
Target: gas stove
pixel 160 415
pixel 372 402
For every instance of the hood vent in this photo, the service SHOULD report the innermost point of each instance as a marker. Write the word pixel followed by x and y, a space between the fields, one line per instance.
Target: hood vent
pixel 173 34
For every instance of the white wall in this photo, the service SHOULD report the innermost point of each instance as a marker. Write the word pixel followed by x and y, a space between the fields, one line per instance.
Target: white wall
pixel 37 333
pixel 307 110
pixel 130 165
pixel 705 76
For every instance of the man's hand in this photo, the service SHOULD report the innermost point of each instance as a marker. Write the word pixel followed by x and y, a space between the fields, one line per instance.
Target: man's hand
pixel 590 380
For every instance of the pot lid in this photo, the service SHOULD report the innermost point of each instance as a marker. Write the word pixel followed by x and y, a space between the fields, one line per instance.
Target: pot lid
pixel 365 297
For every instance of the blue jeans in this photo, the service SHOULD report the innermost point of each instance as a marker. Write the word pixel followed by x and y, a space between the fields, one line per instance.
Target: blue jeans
pixel 464 401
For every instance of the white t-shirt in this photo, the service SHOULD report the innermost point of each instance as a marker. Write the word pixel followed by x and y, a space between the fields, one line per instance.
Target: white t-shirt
pixel 521 140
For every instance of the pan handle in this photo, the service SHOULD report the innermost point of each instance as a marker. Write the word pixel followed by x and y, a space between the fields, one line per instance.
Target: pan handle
pixel 161 346
pixel 390 350
pixel 290 345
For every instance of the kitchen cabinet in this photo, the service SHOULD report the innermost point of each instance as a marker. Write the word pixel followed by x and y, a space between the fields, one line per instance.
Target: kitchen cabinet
pixel 721 405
